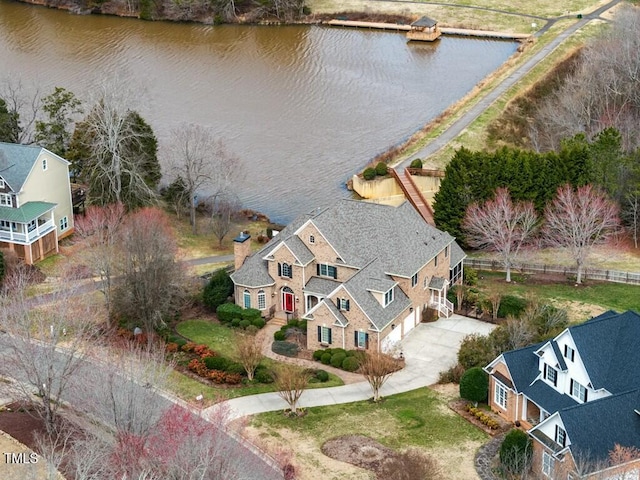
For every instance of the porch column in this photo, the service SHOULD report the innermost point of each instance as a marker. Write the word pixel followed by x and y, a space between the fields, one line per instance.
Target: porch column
pixel 55 229
pixel 524 408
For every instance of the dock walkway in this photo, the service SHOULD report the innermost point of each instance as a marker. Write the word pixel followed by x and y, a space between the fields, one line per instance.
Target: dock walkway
pixel 413 195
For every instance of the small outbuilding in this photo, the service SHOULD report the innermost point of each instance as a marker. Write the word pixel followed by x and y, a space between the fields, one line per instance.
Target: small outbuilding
pixel 424 29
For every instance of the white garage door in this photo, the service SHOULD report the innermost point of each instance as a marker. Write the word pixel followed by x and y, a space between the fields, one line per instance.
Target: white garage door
pixel 409 322
pixel 391 340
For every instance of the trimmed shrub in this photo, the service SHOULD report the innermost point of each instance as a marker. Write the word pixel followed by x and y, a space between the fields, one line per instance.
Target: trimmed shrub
pixel 470 277
pixel 244 323
pixel 279 336
pixel 302 325
pixel 416 163
pixel 317 354
pixel 369 173
pixel 250 314
pixel 511 305
pixel 326 358
pixel 474 385
pixel 235 368
pixel 382 169
pixel 258 323
pixel 228 311
pixel 350 364
pixel 515 451
pixel 217 290
pixel 482 417
pixel 337 359
pixel 476 351
pixel 235 323
pixel 288 349
pixel 322 375
pixel 338 350
pixel 216 363
pixel 263 376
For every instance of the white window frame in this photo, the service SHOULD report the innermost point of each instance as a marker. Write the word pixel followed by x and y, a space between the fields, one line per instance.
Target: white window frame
pixel 561 436
pixel 547 464
pixel 326 269
pixel 5 200
pixel 246 299
pixel 549 369
pixel 7 225
pixel 343 304
pixel 362 339
pixel 31 226
pixel 312 239
pixel 388 296
pixel 324 335
pixel 500 395
pixel 286 270
pixel 64 223
pixel 581 391
pixel 414 280
pixel 446 251
pixel 262 300
pixel 44 165
pixel 2 183
pixel 569 353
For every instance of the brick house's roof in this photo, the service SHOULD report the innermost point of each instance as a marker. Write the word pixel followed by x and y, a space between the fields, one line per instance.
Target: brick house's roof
pixel 380 240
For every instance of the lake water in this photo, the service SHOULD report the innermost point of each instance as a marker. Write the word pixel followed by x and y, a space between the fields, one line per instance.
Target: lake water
pixel 304 107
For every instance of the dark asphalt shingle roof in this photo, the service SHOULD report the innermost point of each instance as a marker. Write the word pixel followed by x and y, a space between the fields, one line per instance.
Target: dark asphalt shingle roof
pixel 547 397
pixel 424 22
pixel 595 427
pixel 556 350
pixel 523 366
pixel 16 161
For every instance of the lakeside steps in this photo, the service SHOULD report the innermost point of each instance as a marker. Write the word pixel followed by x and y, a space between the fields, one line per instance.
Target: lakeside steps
pixel 430 33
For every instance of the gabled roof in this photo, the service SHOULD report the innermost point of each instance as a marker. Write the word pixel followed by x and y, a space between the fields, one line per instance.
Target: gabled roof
pixel 523 366
pixel 595 427
pixel 27 212
pixel 321 286
pixel 609 346
pixel 16 161
pixel 297 248
pixel 457 254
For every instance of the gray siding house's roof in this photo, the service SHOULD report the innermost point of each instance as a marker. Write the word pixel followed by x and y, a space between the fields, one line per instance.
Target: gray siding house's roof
pixel 16 161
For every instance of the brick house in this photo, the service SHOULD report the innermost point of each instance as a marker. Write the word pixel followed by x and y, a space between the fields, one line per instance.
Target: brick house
pixel 577 395
pixel 35 201
pixel 359 272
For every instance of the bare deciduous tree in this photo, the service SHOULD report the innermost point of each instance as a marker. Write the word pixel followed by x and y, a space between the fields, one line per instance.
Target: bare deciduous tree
pixel 500 225
pixel 377 367
pixel 290 383
pixel 44 342
pixel 99 229
pixel 495 298
pixel 222 211
pixel 25 105
pixel 578 220
pixel 151 277
pixel 249 353
pixel 519 333
pixel 203 163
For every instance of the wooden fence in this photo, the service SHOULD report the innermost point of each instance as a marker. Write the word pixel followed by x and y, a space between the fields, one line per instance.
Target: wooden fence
pixel 632 278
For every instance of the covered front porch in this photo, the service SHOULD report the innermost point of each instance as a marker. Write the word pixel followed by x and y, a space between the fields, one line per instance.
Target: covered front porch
pixel 29 230
pixel 438 297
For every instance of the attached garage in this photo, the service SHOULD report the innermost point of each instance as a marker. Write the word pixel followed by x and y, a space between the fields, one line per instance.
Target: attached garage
pixel 409 323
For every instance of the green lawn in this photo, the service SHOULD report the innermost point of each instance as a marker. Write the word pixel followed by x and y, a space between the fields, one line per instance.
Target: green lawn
pixel 418 418
pixel 616 296
pixel 222 340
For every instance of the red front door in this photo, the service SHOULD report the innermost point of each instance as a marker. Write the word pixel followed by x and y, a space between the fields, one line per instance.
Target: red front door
pixel 287 301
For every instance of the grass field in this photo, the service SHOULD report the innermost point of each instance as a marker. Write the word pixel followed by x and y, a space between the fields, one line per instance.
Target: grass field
pixel 418 419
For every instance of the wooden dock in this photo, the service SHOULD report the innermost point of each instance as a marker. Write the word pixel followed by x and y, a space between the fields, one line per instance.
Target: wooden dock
pixel 445 31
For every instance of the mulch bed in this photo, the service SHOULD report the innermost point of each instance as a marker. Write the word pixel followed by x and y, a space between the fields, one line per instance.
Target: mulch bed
pixel 358 450
pixel 459 405
pixel 21 424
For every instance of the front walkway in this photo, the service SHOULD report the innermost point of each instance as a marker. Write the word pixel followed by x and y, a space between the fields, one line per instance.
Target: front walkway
pixel 428 349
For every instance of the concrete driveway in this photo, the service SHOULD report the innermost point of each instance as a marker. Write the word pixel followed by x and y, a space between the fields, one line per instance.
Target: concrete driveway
pixel 431 348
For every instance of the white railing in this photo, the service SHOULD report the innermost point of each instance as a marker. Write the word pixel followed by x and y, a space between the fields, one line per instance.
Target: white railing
pixel 444 307
pixel 589 273
pixel 29 237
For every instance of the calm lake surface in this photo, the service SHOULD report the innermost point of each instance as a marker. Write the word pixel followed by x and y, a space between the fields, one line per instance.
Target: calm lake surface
pixel 303 107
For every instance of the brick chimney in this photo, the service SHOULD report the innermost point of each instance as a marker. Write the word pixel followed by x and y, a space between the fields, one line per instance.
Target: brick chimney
pixel 241 248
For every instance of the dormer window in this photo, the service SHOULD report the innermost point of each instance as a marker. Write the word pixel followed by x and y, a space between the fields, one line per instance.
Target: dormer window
pixel 343 304
pixel 569 353
pixel 414 280
pixel 551 374
pixel 388 297
pixel 578 391
pixel 561 436
pixel 325 270
pixel 44 164
pixel 5 200
pixel 312 239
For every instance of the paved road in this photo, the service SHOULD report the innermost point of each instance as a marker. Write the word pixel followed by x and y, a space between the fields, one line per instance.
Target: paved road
pixel 429 349
pixel 463 122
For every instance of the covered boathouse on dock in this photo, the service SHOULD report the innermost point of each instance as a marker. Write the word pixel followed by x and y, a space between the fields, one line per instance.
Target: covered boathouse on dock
pixel 424 29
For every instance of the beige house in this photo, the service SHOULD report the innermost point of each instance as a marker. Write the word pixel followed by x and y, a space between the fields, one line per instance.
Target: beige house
pixel 578 396
pixel 360 273
pixel 35 201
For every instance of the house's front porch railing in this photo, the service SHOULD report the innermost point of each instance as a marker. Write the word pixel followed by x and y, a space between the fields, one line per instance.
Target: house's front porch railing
pixel 40 230
pixel 444 307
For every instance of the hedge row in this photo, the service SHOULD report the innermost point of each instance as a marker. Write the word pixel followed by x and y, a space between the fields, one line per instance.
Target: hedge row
pixel 348 360
pixel 292 326
pixel 234 315
pixel 483 417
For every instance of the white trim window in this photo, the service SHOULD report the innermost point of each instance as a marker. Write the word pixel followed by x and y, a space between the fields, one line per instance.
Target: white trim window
pixel 286 270
pixel 246 299
pixel 388 296
pixel 446 251
pixel 547 464
pixel 5 200
pixel 569 353
pixel 500 395
pixel 2 184
pixel 64 224
pixel 44 165
pixel 312 239
pixel 262 300
pixel 414 280
pixel 343 304
pixel 551 374
pixel 361 339
pixel 578 391
pixel 561 436
pixel 325 335
pixel 325 270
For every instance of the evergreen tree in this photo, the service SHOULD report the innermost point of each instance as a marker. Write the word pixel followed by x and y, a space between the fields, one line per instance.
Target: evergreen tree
pixel 61 106
pixel 9 124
